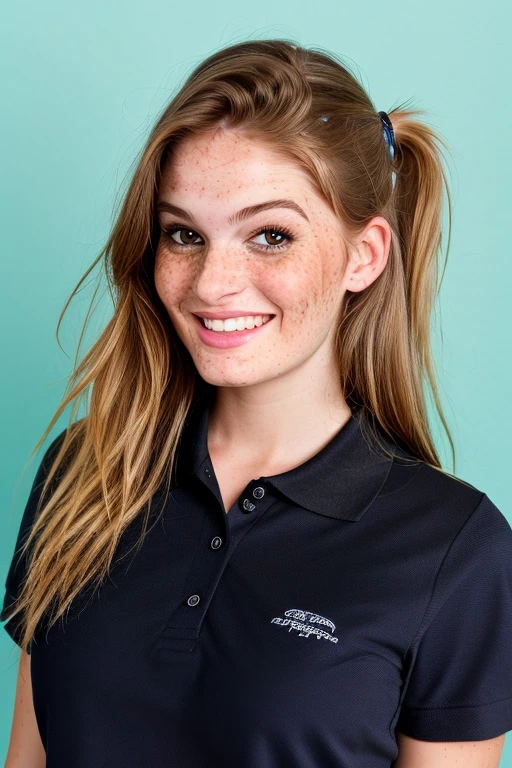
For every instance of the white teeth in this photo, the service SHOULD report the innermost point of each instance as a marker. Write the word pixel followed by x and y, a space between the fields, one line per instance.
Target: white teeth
pixel 236 323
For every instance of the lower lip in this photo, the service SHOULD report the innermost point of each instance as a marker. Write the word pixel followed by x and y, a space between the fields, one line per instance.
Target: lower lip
pixel 228 339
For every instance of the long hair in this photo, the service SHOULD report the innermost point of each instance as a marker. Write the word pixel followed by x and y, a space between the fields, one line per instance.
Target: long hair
pixel 138 380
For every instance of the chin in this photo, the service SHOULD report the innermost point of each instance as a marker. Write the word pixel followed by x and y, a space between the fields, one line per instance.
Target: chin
pixel 229 380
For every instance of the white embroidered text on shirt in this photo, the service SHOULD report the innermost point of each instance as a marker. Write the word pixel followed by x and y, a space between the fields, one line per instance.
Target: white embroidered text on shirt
pixel 304 622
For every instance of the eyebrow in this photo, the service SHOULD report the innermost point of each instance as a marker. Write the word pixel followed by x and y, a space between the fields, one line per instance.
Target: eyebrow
pixel 244 213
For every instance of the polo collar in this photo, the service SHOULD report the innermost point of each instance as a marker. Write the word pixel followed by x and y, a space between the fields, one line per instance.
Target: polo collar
pixel 340 481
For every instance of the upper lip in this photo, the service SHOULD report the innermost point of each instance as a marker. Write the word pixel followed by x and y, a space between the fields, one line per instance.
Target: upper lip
pixel 226 315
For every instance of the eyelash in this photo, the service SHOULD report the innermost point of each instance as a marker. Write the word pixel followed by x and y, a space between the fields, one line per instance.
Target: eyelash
pixel 169 231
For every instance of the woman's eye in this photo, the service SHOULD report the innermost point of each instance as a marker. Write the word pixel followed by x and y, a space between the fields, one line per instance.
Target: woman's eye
pixel 189 234
pixel 274 238
pixel 277 238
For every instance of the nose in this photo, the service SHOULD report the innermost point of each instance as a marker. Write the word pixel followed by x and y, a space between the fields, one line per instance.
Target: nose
pixel 221 271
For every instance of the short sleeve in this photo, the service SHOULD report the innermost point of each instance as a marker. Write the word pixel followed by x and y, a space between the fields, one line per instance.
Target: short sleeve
pixel 459 685
pixel 18 565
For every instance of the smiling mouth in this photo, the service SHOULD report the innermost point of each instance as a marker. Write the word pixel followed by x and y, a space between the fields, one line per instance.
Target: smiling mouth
pixel 267 319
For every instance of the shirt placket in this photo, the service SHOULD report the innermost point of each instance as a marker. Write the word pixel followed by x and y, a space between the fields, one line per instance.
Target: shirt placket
pixel 220 534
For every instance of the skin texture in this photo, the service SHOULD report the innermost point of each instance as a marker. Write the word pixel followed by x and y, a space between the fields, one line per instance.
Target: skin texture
pixel 282 386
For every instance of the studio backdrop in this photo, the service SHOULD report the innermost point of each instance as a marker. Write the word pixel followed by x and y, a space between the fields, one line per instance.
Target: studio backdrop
pixel 82 85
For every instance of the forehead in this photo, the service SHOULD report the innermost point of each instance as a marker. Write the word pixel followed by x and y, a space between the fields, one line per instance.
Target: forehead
pixel 227 164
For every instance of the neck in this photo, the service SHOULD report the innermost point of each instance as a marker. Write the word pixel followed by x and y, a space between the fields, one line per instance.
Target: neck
pixel 275 426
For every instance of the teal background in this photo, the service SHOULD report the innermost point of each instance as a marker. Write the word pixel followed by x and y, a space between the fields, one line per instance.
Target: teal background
pixel 83 83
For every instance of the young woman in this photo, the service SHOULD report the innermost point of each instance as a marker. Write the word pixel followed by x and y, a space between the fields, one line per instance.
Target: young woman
pixel 247 553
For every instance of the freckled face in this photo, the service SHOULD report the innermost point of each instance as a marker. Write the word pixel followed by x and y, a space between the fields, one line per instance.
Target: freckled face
pixel 210 264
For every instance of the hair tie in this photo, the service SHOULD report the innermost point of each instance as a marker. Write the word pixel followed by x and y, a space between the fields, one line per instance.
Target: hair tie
pixel 389 138
pixel 389 134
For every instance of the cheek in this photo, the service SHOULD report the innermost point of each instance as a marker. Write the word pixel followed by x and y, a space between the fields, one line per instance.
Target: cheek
pixel 306 286
pixel 332 262
pixel 172 276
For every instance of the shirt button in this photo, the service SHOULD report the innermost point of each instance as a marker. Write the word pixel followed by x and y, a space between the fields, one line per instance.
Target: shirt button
pixel 216 542
pixel 258 492
pixel 248 506
pixel 193 600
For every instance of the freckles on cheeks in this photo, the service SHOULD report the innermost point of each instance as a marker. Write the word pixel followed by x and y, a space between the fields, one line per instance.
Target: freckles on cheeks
pixel 314 287
pixel 333 266
pixel 295 286
pixel 303 285
pixel 172 277
pixel 320 273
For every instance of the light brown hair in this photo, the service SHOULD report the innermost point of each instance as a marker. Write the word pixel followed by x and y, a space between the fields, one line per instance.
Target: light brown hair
pixel 141 379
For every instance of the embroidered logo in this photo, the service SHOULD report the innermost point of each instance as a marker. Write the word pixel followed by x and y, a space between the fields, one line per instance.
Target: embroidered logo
pixel 307 623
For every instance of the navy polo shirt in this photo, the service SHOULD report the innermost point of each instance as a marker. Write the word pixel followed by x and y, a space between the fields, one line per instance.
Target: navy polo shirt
pixel 350 597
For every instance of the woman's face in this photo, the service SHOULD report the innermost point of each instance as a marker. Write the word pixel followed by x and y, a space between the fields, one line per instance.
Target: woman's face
pixel 211 260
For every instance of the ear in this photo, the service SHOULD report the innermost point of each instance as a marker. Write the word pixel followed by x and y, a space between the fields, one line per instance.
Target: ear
pixel 369 256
